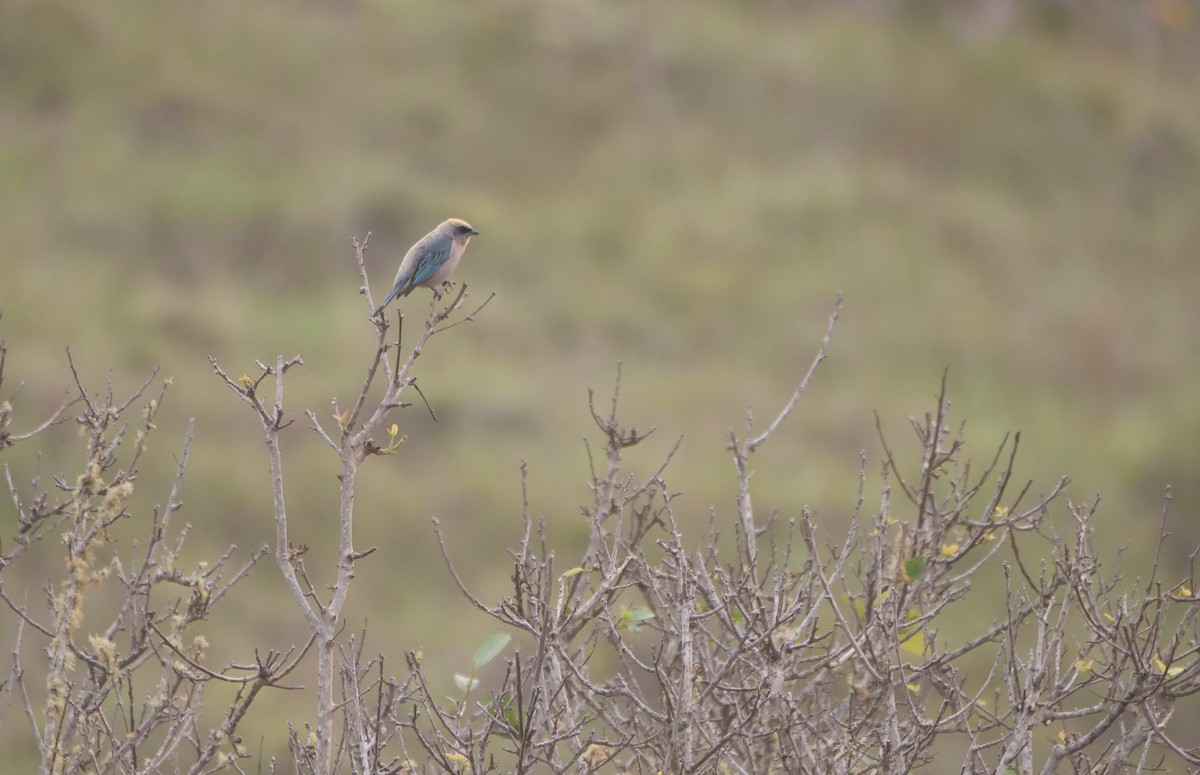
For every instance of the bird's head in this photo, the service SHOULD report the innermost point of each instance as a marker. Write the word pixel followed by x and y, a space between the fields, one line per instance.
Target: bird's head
pixel 458 229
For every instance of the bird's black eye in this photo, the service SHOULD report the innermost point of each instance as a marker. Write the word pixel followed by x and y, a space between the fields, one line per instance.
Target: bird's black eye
pixel 463 229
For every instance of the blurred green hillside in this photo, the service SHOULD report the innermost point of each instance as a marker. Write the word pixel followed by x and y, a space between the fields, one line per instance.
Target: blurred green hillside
pixel 679 186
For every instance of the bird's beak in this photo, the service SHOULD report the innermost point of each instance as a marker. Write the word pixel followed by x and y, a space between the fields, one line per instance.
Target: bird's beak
pixel 474 233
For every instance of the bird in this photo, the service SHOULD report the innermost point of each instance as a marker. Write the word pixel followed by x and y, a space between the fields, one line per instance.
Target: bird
pixel 429 262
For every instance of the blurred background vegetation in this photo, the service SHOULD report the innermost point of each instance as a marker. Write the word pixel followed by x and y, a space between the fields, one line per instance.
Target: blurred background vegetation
pixel 1007 188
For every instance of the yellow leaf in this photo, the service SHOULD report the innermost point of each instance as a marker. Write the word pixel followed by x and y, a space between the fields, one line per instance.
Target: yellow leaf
pixel 912 687
pixel 1185 591
pixel 914 642
pixel 1085 665
pixel 949 550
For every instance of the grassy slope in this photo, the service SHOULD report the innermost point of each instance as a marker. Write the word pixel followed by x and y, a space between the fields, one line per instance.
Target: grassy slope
pixel 682 188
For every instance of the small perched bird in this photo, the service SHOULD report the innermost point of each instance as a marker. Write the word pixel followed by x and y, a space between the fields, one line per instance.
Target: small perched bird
pixel 429 262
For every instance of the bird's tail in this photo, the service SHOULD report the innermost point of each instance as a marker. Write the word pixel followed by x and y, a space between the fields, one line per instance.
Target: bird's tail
pixel 395 292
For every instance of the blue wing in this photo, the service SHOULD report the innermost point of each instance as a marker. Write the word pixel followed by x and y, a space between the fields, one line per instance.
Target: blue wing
pixel 429 258
pixel 432 258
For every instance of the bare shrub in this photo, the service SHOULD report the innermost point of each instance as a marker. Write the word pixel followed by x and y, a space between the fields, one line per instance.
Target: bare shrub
pixel 786 654
pixel 126 696
pixel 763 645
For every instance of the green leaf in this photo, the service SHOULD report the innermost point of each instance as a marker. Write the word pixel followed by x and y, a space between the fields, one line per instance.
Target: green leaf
pixel 915 568
pixel 573 572
pixel 504 707
pixel 632 617
pixel 490 648
pixel 465 683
